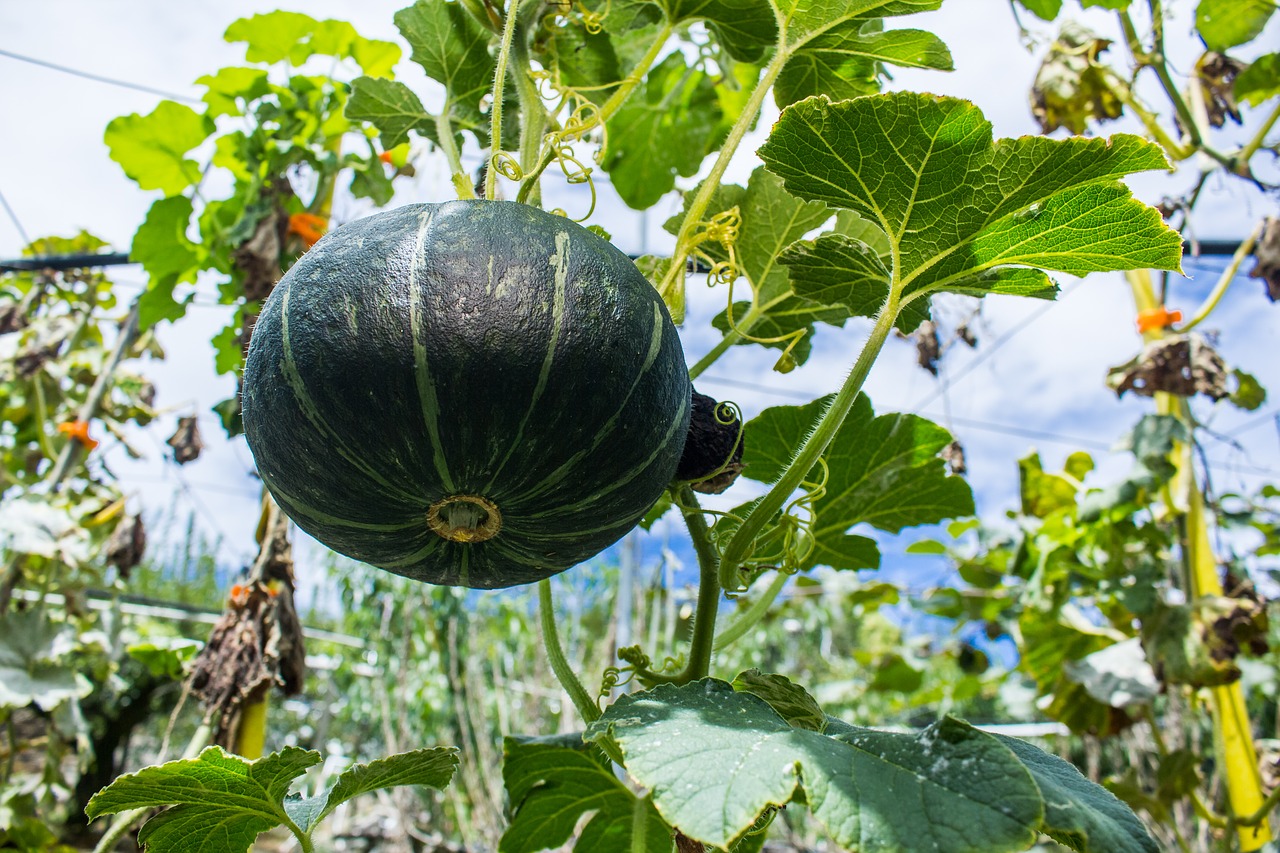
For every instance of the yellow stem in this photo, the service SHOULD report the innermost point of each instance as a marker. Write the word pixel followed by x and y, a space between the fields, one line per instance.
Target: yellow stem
pixel 1232 733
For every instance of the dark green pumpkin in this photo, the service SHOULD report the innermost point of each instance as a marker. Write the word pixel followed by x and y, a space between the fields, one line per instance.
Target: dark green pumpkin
pixel 472 393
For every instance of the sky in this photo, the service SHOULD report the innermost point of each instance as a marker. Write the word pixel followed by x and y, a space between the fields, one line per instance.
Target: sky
pixel 1035 382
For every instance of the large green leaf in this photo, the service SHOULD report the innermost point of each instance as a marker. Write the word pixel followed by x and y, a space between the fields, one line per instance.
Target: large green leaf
pixel 846 62
pixel 715 760
pixel 280 35
pixel 219 803
pixel 1079 813
pixel 884 471
pixel 34 664
pixel 961 213
pixel 746 28
pixel 161 245
pixel 451 47
pixel 391 107
pixel 664 129
pixel 806 20
pixel 1224 24
pixel 553 786
pixel 152 149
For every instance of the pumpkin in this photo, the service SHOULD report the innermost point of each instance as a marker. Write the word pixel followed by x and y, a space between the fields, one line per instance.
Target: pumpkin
pixel 474 393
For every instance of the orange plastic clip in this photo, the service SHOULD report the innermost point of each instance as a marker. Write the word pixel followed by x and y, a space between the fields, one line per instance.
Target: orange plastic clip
pixel 79 430
pixel 308 226
pixel 239 595
pixel 385 157
pixel 1157 318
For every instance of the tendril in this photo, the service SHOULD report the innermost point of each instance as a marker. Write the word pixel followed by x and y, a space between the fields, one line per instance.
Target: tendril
pixel 593 22
pixel 507 166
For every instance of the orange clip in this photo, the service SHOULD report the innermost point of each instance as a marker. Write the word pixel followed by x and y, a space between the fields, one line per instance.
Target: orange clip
pixel 239 595
pixel 308 226
pixel 79 430
pixel 1157 318
pixel 385 157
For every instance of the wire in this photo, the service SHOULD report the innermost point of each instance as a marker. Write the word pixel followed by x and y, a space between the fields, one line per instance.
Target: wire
pixel 17 223
pixel 125 84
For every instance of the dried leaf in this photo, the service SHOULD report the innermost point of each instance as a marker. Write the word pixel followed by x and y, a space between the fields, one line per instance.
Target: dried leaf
pixel 1070 88
pixel 1267 257
pixel 1216 75
pixel 1184 365
pixel 185 441
pixel 127 544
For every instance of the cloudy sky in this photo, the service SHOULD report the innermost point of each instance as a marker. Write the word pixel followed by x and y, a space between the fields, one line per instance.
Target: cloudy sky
pixel 1034 382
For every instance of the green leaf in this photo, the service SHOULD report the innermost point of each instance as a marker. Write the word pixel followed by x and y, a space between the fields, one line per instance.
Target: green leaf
pixel 1043 494
pixel 1224 24
pixel 219 802
pixel 165 658
pixel 788 699
pixel 664 129
pixel 807 21
pixel 883 471
pixel 716 760
pixel 961 213
pixel 451 47
pixel 270 37
pixel 230 88
pixel 839 269
pixel 157 304
pixel 1078 813
pixel 160 244
pixel 553 787
pixel 433 768
pixel 771 219
pixel 391 107
pixel 152 148
pixel 1045 10
pixel 846 62
pixel 34 663
pixel 745 28
pixel 1260 81
pixel 1249 393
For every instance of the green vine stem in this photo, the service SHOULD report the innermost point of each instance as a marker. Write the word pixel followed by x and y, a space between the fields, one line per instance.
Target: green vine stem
pixel 1259 139
pixel 462 185
pixel 640 825
pixel 670 288
pixel 606 110
pixel 813 447
pixel 555 655
pixel 495 109
pixel 752 614
pixel 703 641
pixel 533 117
pixel 1224 281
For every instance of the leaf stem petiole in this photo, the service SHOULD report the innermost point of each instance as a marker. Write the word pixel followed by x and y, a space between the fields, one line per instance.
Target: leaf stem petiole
pixel 752 615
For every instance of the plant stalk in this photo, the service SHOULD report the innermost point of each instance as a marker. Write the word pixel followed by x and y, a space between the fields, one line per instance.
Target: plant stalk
pixel 1224 281
pixel 1259 139
pixel 812 448
pixel 586 706
pixel 752 615
pixel 703 642
pixel 495 110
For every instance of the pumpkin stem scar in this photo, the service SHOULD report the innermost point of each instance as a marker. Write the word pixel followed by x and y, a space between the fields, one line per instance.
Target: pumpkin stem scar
pixel 464 518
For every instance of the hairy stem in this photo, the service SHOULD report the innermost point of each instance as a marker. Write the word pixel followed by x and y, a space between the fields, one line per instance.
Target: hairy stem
pixel 462 185
pixel 752 615
pixel 495 110
pixel 730 338
pixel 814 446
pixel 555 655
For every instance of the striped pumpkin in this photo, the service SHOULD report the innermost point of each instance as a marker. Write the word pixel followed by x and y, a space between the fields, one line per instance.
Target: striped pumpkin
pixel 473 393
